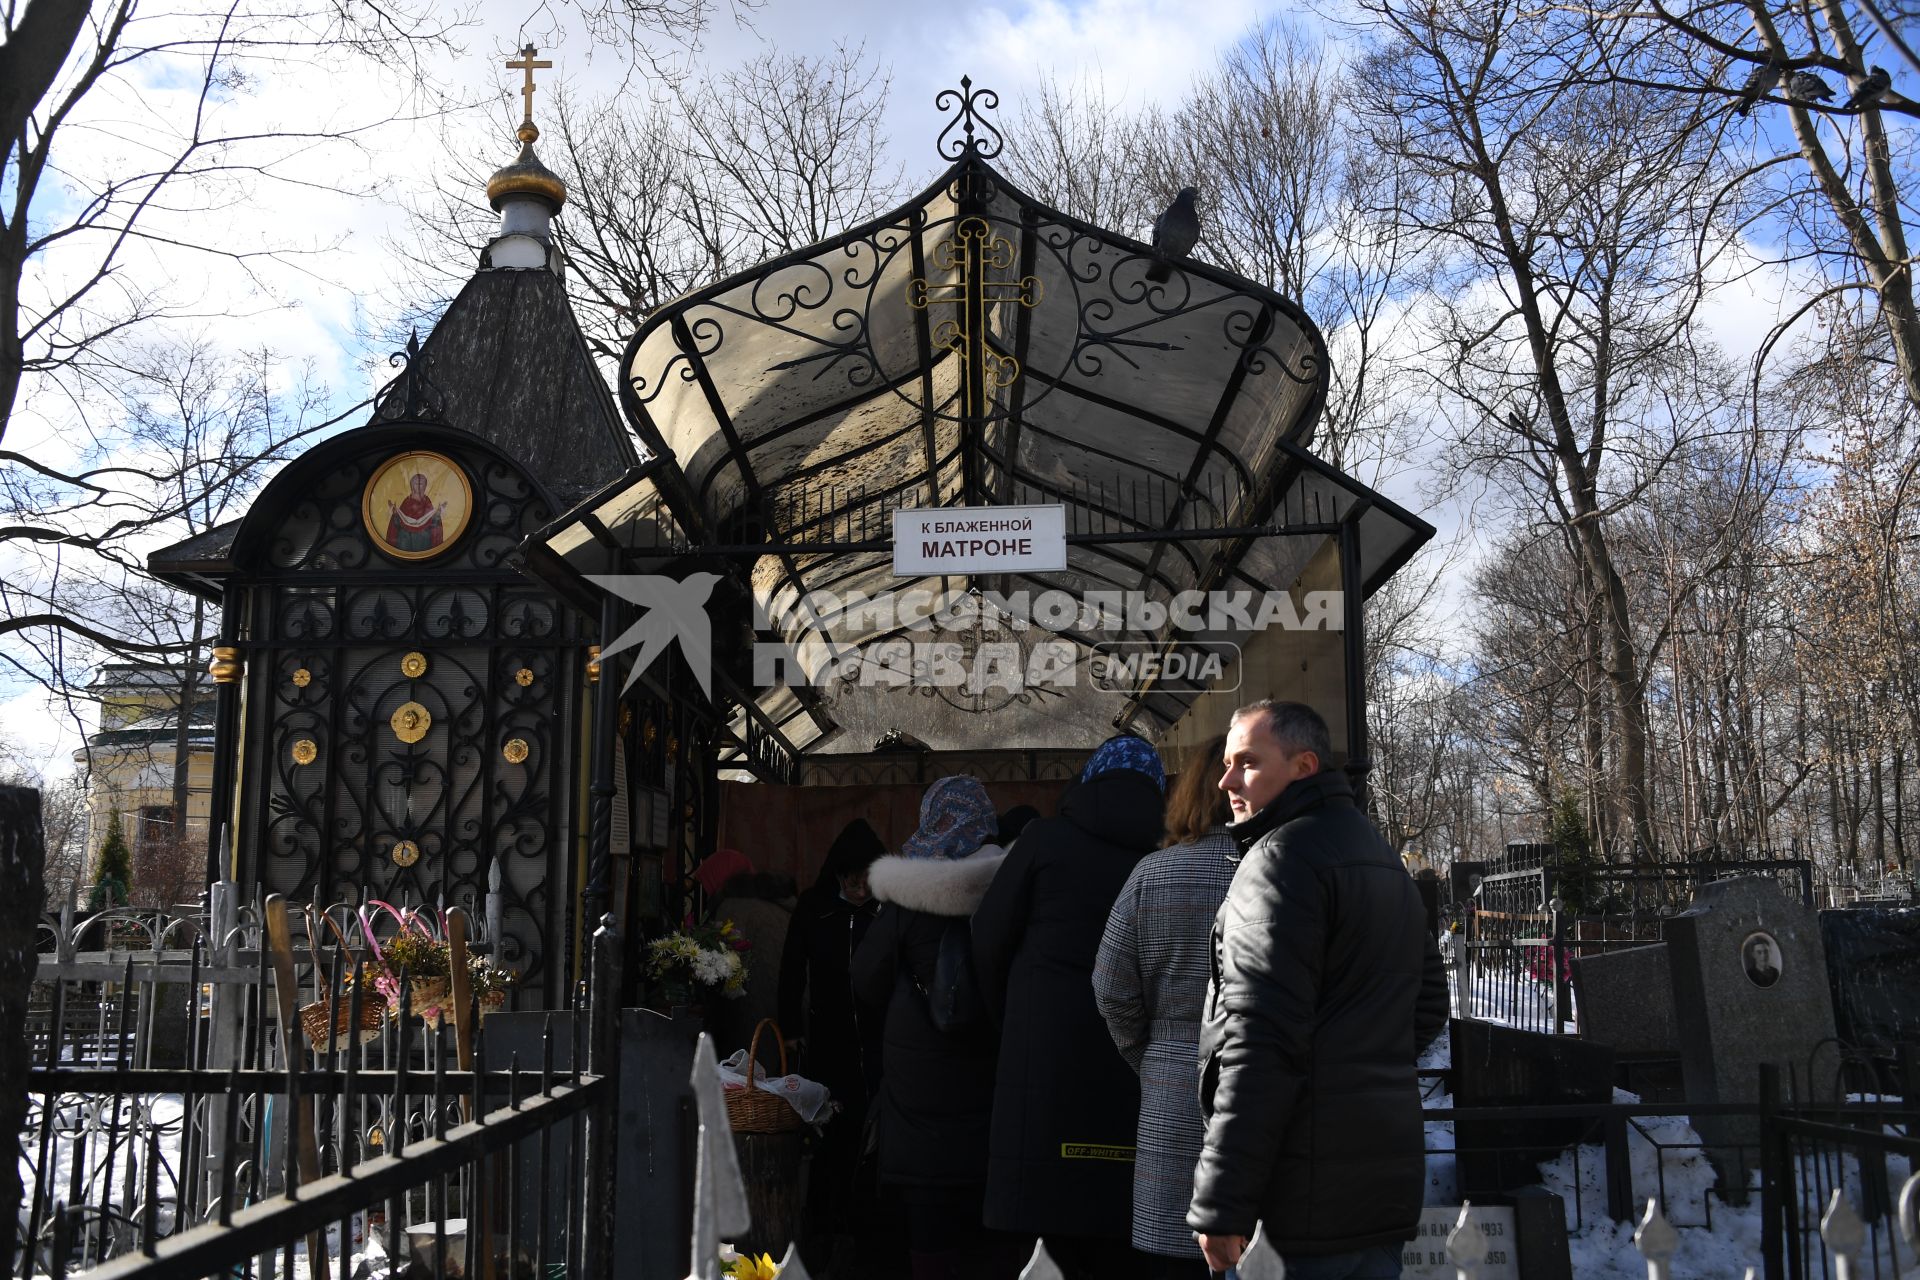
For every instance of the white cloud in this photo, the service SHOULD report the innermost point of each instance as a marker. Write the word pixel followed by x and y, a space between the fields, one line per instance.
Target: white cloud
pixel 40 727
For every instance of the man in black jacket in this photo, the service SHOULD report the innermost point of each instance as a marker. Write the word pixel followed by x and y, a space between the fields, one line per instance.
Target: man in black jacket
pixel 1326 985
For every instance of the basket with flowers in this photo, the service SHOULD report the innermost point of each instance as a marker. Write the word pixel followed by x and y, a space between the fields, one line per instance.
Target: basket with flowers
pixel 329 1024
pixel 700 957
pixel 426 958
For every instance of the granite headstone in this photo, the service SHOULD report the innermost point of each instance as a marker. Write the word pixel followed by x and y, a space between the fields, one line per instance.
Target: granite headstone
pixel 1495 1066
pixel 1749 986
pixel 1873 964
pixel 1625 999
pixel 1526 1235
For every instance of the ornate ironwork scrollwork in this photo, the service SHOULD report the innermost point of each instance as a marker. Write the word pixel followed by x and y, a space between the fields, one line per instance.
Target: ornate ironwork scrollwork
pixel 995 254
pixel 412 393
pixel 970 104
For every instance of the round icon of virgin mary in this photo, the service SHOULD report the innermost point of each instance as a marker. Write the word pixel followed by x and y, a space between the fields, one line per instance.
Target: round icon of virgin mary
pixel 417 505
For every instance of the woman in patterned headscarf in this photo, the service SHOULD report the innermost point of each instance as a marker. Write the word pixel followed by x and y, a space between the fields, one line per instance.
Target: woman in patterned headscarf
pixel 1064 1104
pixel 936 1086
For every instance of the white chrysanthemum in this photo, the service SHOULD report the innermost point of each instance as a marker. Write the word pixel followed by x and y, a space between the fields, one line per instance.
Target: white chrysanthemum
pixel 711 967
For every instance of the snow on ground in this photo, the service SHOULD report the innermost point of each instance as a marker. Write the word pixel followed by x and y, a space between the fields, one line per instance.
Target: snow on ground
pixel 1716 1239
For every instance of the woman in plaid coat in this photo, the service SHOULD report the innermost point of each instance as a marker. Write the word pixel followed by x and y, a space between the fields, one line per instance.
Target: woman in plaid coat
pixel 1150 981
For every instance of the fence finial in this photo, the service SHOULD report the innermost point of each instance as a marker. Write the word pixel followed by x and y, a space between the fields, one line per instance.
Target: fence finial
pixel 1466 1243
pixel 1656 1240
pixel 719 1194
pixel 1041 1265
pixel 1261 1261
pixel 1844 1233
pixel 1910 1211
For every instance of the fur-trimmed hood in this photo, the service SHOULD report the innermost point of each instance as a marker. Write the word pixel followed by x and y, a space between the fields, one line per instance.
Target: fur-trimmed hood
pixel 937 886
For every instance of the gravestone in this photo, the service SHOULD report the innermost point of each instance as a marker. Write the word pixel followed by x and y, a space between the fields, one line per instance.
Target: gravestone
pixel 1495 1066
pixel 1425 1256
pixel 1626 1003
pixel 1526 1235
pixel 1873 965
pixel 1626 999
pixel 1462 879
pixel 1749 986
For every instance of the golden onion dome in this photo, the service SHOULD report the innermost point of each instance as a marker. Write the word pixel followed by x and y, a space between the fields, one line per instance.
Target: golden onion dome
pixel 526 176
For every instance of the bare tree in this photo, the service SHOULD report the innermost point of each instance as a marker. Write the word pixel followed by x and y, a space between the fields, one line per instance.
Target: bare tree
pixel 1072 148
pixel 194 432
pixel 1842 212
pixel 670 191
pixel 143 174
pixel 1569 221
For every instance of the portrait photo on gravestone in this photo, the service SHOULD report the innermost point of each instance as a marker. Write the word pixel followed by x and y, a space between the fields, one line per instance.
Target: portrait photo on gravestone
pixel 1760 955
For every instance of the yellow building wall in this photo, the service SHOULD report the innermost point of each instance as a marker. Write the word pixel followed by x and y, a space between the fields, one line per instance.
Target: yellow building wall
pixel 1293 666
pixel 132 778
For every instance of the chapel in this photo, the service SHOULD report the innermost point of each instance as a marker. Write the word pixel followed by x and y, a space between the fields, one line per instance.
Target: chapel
pixel 536 646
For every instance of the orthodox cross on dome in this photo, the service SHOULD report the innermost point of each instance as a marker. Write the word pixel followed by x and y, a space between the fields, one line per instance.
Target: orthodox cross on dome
pixel 529 64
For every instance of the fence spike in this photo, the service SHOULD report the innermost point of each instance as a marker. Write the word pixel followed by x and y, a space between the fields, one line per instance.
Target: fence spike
pixel 791 1267
pixel 730 1215
pixel 1910 1212
pixel 1844 1233
pixel 1656 1240
pixel 1041 1265
pixel 1261 1261
pixel 1466 1243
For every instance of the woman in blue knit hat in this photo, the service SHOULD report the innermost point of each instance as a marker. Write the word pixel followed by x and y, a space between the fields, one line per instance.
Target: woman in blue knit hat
pixel 936 1089
pixel 1065 1105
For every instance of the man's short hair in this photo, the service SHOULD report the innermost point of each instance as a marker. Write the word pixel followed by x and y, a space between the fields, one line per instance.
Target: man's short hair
pixel 1295 726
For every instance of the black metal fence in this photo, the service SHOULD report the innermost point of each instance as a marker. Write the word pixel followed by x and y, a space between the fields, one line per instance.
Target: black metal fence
pixel 1520 929
pixel 1802 1151
pixel 233 1108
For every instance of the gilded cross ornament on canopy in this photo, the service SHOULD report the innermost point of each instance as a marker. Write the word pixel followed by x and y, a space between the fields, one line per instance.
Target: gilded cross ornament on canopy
pixel 973 251
pixel 528 63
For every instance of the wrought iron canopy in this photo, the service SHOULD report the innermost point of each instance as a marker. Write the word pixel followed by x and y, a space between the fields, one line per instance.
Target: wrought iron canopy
pixel 977 348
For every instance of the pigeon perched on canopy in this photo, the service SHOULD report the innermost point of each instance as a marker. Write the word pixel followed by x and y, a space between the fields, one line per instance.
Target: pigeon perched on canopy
pixel 1807 86
pixel 1869 90
pixel 1760 82
pixel 1175 232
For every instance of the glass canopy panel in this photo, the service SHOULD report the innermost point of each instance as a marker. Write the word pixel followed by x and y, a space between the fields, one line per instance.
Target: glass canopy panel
pixel 976 348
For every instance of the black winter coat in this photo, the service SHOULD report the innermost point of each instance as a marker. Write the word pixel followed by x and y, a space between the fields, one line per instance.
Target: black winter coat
pixel 816 993
pixel 1065 1104
pixel 936 1087
pixel 1326 985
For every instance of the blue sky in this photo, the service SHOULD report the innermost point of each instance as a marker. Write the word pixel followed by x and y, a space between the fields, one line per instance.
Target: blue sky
pixel 1137 51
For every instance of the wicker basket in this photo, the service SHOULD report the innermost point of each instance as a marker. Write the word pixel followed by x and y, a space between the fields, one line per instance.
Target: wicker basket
pixel 429 996
pixel 333 1017
pixel 753 1109
pixel 433 1000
